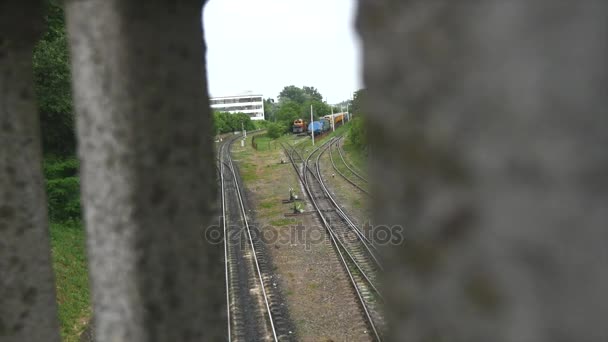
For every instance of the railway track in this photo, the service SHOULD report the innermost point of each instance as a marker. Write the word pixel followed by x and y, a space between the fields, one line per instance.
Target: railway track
pixel 351 167
pixel 255 308
pixel 358 182
pixel 354 250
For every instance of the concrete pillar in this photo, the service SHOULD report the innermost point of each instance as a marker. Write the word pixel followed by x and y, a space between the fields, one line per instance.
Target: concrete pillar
pixel 489 128
pixel 147 168
pixel 28 311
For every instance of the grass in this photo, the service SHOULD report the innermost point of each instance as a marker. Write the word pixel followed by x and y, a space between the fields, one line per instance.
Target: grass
pixel 248 172
pixel 71 278
pixel 281 222
pixel 269 204
pixel 264 143
pixel 355 157
pixel 68 245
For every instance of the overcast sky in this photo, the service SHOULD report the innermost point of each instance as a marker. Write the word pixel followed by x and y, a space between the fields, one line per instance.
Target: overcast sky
pixel 264 45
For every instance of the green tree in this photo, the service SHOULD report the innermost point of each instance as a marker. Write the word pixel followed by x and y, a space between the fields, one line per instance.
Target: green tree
pixel 227 122
pixel 274 130
pixel 357 133
pixel 292 93
pixel 319 109
pixel 288 111
pixel 358 103
pixel 270 108
pixel 300 95
pixel 53 85
pixel 312 94
pixel 294 103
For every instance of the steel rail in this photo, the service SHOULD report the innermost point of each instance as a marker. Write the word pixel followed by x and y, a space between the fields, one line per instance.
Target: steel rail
pixel 334 238
pixel 221 169
pixel 335 242
pixel 345 163
pixel 341 212
pixel 255 258
pixel 331 158
pixel 343 215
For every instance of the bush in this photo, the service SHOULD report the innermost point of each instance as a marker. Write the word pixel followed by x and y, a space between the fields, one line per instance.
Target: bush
pixel 357 133
pixel 274 130
pixel 226 122
pixel 260 124
pixel 64 199
pixel 60 168
pixel 62 189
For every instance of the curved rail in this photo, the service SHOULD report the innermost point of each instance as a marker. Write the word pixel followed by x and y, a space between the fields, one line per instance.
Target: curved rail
pixel 340 151
pixel 331 158
pixel 338 245
pixel 341 212
pixel 365 241
pixel 334 237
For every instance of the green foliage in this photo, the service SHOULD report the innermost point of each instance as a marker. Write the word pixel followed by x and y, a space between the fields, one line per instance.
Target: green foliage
pixel 274 130
pixel 295 104
pixel 263 142
pixel 270 108
pixel 300 95
pixel 260 124
pixel 312 94
pixel 287 112
pixel 51 68
pixel 64 198
pixel 358 103
pixel 357 133
pixel 292 93
pixel 60 168
pixel 226 122
pixel 63 189
pixel 319 109
pixel 71 278
pixel 53 85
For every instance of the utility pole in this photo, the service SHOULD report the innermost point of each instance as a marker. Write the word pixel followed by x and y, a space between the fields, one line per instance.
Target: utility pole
pixel 312 127
pixel 347 116
pixel 333 126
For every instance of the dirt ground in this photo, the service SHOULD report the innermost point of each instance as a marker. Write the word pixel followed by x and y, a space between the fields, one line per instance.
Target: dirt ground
pixel 320 299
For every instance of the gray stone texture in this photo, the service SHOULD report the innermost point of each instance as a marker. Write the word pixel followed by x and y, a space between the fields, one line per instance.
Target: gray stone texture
pixel 147 168
pixel 27 292
pixel 489 128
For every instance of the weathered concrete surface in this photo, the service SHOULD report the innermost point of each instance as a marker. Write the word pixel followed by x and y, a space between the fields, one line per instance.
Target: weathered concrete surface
pixel 28 311
pixel 489 127
pixel 148 174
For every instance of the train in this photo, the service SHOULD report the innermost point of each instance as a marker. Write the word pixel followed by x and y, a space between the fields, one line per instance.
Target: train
pixel 320 126
pixel 325 123
pixel 299 125
pixel 338 119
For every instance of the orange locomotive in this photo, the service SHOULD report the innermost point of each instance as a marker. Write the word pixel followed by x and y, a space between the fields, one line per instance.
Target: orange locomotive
pixel 299 126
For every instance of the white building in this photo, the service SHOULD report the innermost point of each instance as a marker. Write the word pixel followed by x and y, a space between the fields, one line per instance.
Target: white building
pixel 250 104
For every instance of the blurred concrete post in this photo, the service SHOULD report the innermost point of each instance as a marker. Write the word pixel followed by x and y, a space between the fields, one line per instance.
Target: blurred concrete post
pixel 28 311
pixel 147 167
pixel 489 125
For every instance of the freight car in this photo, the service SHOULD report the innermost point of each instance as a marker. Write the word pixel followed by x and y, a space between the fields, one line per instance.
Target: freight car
pixel 338 119
pixel 299 126
pixel 319 127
